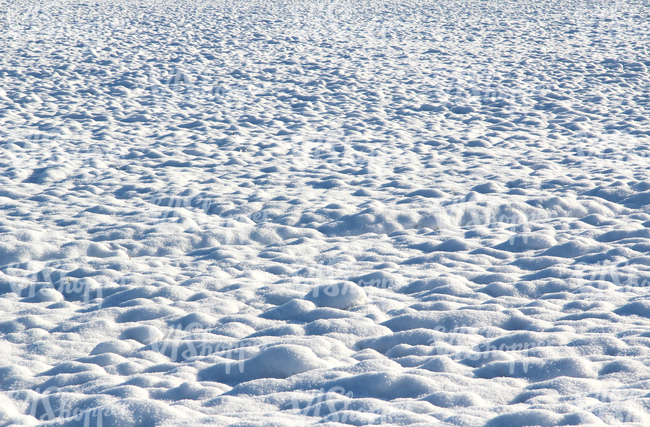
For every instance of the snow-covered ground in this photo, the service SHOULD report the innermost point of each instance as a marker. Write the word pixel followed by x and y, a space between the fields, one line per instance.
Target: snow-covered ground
pixel 247 213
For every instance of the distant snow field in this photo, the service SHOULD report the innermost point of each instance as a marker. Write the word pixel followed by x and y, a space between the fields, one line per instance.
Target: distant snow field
pixel 337 213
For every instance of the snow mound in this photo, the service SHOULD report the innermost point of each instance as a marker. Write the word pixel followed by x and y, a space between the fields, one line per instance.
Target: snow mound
pixel 342 295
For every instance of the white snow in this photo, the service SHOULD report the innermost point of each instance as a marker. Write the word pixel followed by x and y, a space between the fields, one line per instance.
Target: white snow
pixel 290 213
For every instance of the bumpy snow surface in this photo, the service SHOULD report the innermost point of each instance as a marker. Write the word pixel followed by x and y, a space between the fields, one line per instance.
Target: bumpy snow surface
pixel 324 213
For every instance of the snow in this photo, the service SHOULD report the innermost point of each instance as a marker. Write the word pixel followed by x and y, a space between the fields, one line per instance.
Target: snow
pixel 339 295
pixel 342 213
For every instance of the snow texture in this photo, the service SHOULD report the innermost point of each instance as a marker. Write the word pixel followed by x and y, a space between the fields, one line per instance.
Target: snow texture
pixel 338 213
